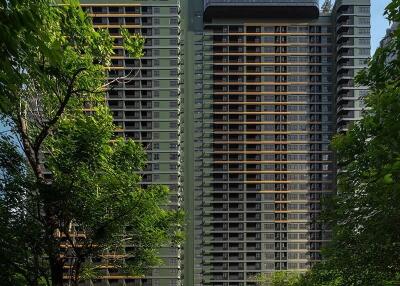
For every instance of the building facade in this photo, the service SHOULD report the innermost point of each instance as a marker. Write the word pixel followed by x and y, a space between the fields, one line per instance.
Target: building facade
pixel 144 97
pixel 277 83
pixel 236 102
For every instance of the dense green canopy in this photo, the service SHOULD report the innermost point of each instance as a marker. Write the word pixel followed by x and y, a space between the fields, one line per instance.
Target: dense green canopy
pixel 69 190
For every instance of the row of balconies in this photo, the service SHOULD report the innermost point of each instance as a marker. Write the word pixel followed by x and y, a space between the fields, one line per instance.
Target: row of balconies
pixel 131 63
pixel 122 9
pixel 281 166
pixel 239 206
pixel 218 60
pixel 226 68
pixel 236 256
pixel 130 94
pixel 236 206
pixel 117 9
pixel 254 187
pixel 225 197
pixel 234 266
pixel 259 29
pixel 252 138
pixel 249 87
pixel 235 246
pixel 257 49
pixel 129 20
pixel 235 217
pixel 235 226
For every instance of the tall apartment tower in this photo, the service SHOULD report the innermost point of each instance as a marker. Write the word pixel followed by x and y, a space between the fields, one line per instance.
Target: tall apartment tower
pixel 146 106
pixel 236 102
pixel 267 83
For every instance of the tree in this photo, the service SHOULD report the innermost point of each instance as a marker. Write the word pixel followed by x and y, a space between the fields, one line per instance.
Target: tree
pixel 365 213
pixel 69 190
pixel 281 278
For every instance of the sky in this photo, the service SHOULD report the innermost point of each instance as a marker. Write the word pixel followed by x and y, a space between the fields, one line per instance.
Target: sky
pixel 379 24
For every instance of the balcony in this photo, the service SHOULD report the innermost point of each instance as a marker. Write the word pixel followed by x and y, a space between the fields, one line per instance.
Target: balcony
pixel 346 107
pixel 261 9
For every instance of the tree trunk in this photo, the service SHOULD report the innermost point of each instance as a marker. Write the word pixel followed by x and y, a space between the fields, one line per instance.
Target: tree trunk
pixel 56 267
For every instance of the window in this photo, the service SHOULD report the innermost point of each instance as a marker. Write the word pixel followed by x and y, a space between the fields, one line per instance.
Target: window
pixel 362 61
pixel 364 31
pixel 364 41
pixel 173 31
pixel 364 21
pixel 364 9
pixel 364 52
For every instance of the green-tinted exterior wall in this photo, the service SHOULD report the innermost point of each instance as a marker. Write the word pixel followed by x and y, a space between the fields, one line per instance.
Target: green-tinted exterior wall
pixel 173 109
pixel 147 107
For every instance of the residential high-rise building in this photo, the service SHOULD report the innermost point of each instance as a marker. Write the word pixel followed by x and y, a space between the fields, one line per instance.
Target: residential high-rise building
pixel 236 102
pixel 270 82
pixel 353 49
pixel 144 97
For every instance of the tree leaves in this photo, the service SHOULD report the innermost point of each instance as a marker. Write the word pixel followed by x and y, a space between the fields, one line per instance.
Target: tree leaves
pixel 71 189
pixel 365 212
pixel 133 44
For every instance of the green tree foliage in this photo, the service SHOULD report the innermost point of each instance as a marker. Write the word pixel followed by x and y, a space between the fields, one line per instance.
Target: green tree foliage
pixel 69 190
pixel 365 213
pixel 281 278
